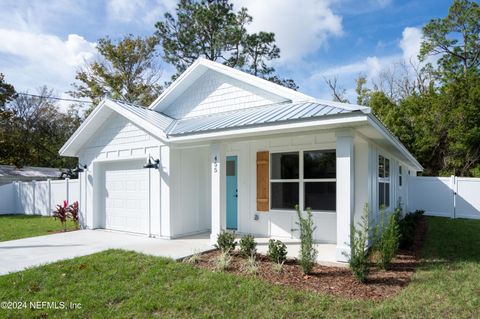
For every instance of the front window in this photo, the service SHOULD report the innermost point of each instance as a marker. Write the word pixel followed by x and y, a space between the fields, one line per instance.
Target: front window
pixel 315 184
pixel 383 181
pixel 285 180
pixel 319 175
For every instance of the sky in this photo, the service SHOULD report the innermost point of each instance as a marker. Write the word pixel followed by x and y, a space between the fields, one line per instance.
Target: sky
pixel 43 42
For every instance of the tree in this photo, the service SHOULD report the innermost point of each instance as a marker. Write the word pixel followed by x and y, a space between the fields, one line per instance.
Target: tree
pixel 127 70
pixel 7 92
pixel 462 97
pixel 362 92
pixel 36 131
pixel 338 93
pixel 213 30
pixel 456 38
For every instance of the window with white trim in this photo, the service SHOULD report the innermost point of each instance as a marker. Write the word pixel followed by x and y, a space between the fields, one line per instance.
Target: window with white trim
pixel 306 175
pixel 383 182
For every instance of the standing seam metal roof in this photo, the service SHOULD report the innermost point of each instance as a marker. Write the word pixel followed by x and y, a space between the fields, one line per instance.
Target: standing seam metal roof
pixel 158 119
pixel 246 117
pixel 255 116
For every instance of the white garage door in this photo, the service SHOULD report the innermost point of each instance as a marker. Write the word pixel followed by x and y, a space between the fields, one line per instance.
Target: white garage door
pixel 126 197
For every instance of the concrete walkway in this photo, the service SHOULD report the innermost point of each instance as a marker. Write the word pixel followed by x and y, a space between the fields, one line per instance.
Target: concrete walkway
pixel 16 255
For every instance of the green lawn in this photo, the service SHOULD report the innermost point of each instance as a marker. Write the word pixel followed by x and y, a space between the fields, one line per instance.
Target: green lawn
pixel 21 226
pixel 125 284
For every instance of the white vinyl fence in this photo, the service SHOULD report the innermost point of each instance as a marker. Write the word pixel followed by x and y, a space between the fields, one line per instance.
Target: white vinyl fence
pixel 454 197
pixel 37 198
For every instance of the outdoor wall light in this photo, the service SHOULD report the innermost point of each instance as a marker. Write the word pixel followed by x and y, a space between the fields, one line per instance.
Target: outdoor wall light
pixel 152 164
pixel 80 169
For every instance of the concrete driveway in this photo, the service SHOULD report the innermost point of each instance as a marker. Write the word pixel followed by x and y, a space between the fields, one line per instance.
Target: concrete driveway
pixel 16 255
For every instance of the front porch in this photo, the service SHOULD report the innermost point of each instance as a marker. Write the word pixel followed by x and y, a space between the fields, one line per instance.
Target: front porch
pixel 263 201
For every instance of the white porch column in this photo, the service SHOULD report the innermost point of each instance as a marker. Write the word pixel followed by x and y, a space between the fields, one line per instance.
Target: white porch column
pixel 345 192
pixel 215 192
pixel 165 204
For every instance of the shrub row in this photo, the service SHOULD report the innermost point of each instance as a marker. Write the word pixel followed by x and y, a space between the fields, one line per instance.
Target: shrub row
pixel 277 250
pixel 391 233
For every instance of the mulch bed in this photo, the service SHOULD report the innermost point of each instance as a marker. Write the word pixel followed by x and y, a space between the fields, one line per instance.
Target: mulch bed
pixel 335 280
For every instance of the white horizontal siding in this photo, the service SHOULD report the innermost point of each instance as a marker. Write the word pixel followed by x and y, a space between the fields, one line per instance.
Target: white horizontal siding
pixel 213 93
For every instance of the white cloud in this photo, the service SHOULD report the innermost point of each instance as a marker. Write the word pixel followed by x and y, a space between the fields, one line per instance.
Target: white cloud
pixel 410 43
pixel 301 27
pixel 372 66
pixel 124 10
pixel 141 11
pixel 381 3
pixel 45 59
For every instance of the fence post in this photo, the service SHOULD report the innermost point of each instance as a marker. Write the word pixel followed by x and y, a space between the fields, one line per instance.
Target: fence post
pixel 455 190
pixel 34 206
pixel 49 183
pixel 452 187
pixel 16 198
pixel 67 190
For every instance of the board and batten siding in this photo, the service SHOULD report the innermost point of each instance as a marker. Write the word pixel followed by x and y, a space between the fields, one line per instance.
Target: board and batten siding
pixel 213 93
pixel 275 223
pixel 190 191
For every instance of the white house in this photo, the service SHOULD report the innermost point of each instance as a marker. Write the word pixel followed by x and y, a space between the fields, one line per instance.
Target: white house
pixel 236 152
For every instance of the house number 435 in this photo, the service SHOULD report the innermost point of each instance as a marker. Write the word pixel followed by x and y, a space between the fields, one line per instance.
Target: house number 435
pixel 215 165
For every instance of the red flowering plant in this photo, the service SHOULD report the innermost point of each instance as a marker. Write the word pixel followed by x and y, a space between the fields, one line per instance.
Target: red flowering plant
pixel 61 212
pixel 73 214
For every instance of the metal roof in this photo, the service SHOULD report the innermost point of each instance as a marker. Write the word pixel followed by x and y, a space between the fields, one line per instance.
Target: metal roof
pixel 255 116
pixel 268 114
pixel 158 119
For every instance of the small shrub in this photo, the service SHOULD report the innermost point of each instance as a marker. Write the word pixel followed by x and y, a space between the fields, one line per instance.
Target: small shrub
pixel 74 214
pixel 194 258
pixel 226 241
pixel 387 245
pixel 223 261
pixel 407 226
pixel 61 213
pixel 277 267
pixel 277 251
pixel 308 253
pixel 250 266
pixel 248 246
pixel 358 257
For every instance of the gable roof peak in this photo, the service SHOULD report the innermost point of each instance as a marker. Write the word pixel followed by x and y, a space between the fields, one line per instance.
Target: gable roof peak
pixel 201 65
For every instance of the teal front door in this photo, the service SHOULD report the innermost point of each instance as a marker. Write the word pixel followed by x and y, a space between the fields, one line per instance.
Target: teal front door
pixel 232 192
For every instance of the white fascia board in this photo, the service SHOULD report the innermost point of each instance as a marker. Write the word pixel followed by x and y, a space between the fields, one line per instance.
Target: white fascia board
pixel 260 83
pixel 65 150
pixel 393 140
pixel 277 128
